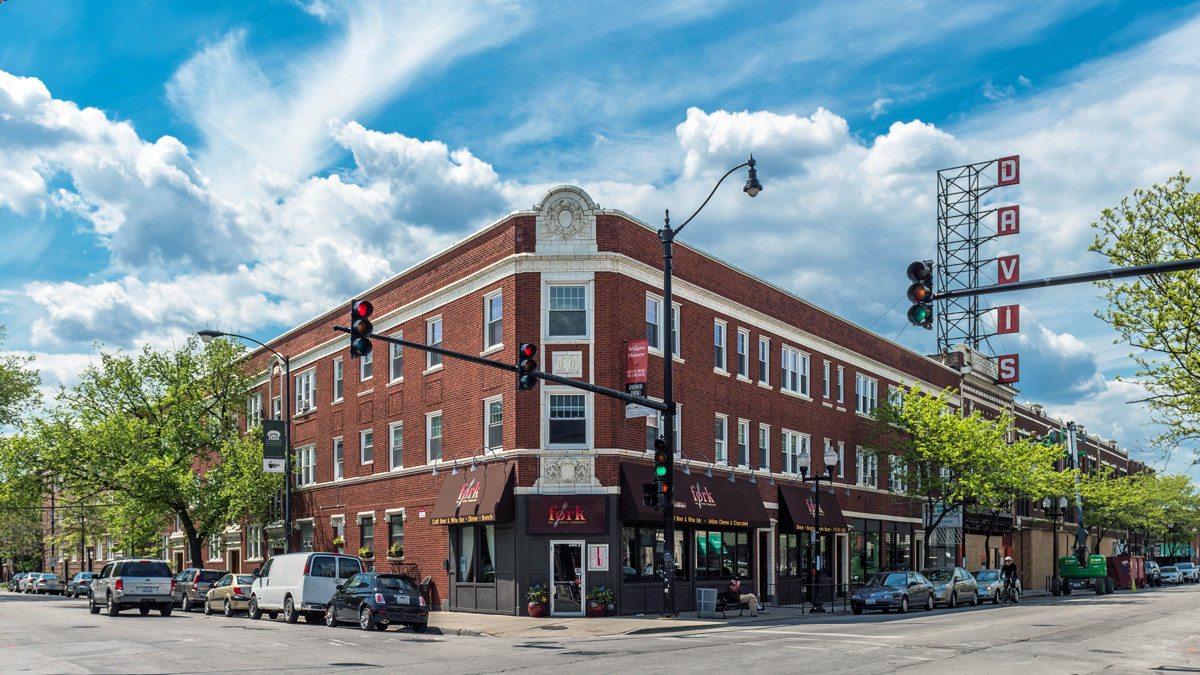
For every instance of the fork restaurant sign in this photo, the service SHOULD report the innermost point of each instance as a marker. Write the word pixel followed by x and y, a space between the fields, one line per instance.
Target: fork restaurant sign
pixel 274 446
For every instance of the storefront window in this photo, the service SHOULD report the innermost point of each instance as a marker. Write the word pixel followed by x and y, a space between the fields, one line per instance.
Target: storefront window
pixel 865 553
pixel 641 554
pixel 722 554
pixel 789 555
pixel 899 545
pixel 476 553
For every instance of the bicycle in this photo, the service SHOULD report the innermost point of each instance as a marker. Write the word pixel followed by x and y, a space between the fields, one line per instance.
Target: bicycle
pixel 1008 593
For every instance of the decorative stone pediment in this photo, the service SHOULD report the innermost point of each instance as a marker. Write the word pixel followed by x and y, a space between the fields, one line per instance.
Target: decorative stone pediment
pixel 567 473
pixel 566 221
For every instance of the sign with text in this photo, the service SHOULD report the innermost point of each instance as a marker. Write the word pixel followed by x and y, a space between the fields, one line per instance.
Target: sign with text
pixel 597 558
pixel 568 514
pixel 1008 319
pixel 1008 220
pixel 1009 170
pixel 1009 368
pixel 637 363
pixel 274 446
pixel 1009 269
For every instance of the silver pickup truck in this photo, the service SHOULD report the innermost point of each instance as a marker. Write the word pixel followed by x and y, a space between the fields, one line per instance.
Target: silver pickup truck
pixel 133 582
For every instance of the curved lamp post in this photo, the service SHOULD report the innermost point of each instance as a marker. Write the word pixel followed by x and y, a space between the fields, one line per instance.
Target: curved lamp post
pixel 805 462
pixel 1047 506
pixel 667 236
pixel 207 336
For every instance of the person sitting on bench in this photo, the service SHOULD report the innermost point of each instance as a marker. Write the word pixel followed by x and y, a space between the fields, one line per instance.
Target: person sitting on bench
pixel 748 599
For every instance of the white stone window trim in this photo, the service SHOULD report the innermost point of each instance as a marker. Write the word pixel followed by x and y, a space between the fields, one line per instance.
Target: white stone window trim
pixel 721 443
pixel 339 361
pixel 487 405
pixel 431 367
pixel 743 424
pixel 742 333
pixel 581 279
pixel 362 433
pixel 333 453
pixel 429 435
pixel 310 404
pixel 487 304
pixel 392 466
pixel 392 381
pixel 723 366
pixel 589 417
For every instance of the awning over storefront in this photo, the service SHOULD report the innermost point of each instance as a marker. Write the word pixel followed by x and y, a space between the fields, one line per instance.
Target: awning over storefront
pixel 800 507
pixel 482 496
pixel 699 500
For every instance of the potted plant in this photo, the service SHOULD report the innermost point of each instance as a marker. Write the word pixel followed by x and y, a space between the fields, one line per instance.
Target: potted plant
pixel 365 552
pixel 395 551
pixel 339 541
pixel 599 598
pixel 537 597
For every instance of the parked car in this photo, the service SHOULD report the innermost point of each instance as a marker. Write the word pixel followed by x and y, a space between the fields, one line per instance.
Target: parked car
pixel 1171 575
pixel 192 586
pixel 133 582
pixel 1153 575
pixel 893 590
pixel 14 584
pixel 376 601
pixel 30 580
pixel 989 586
pixel 952 585
pixel 296 583
pixel 230 594
pixel 50 584
pixel 78 585
pixel 1188 572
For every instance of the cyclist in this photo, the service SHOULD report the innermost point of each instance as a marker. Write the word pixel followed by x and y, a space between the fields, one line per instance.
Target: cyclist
pixel 1008 573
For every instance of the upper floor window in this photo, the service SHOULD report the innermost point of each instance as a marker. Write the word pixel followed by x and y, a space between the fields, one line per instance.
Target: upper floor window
pixel 743 353
pixel 897 474
pixel 366 446
pixel 493 410
pixel 743 443
pixel 338 379
pixel 433 437
pixel 721 455
pixel 339 470
pixel 304 391
pixel 841 450
pixel 493 312
pixel 396 360
pixel 794 371
pixel 868 469
pixel 567 306
pixel 277 408
pixel 827 382
pixel 366 366
pixel 568 419
pixel 840 395
pixel 396 445
pixel 764 447
pixel 306 465
pixel 719 344
pixel 433 338
pixel 655 429
pixel 764 357
pixel 654 323
pixel 254 411
pixel 867 392
pixel 794 445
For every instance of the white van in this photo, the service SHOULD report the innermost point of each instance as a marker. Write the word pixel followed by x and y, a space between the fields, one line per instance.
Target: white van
pixel 299 583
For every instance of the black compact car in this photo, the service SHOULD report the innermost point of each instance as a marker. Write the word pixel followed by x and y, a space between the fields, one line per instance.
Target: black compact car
pixel 1153 574
pixel 375 601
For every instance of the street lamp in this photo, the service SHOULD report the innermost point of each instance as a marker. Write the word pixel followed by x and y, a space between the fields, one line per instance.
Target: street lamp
pixel 207 336
pixel 1047 503
pixel 805 461
pixel 667 236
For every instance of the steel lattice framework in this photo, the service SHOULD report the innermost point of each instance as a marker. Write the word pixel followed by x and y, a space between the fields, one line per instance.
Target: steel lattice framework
pixel 960 193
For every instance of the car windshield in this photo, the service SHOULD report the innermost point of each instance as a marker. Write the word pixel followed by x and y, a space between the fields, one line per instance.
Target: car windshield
pixel 987 575
pixel 1169 569
pixel 50 577
pixel 245 579
pixel 209 575
pixel 145 568
pixel 1184 566
pixel 888 579
pixel 938 575
pixel 397 584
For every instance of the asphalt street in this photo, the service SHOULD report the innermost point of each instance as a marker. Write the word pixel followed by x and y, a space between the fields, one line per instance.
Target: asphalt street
pixel 1156 630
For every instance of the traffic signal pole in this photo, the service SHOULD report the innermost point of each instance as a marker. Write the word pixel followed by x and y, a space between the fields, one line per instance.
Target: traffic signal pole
pixel 1083 277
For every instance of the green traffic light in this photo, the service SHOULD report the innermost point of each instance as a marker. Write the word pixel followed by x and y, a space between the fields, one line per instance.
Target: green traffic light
pixel 660 471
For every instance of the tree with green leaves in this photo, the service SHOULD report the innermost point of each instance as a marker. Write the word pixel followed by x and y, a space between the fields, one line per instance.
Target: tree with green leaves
pixel 20 496
pixel 158 434
pixel 1158 315
pixel 955 460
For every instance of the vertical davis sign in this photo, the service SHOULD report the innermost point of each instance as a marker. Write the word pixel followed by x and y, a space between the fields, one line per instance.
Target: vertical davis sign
pixel 274 446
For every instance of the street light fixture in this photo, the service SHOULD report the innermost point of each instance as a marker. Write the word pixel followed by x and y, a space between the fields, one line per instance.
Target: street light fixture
pixel 208 336
pixel 667 236
pixel 1047 503
pixel 805 462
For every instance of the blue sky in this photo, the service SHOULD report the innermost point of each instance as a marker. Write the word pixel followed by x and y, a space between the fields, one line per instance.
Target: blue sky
pixel 166 166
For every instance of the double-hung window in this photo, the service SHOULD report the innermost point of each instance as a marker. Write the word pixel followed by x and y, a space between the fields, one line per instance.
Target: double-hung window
pixel 722 440
pixel 743 443
pixel 254 542
pixel 396 360
pixel 254 411
pixel 493 432
pixel 305 400
pixel 433 338
pixel 674 330
pixel 366 446
pixel 493 314
pixel 764 358
pixel 743 353
pixel 338 379
pixel 841 459
pixel 567 419
pixel 867 394
pixel 897 474
pixel 868 468
pixel 306 464
pixel 367 533
pixel 396 445
pixel 764 447
pixel 396 535
pixel 654 323
pixel 794 371
pixel 366 366
pixel 567 307
pixel 827 383
pixel 840 395
pixel 794 445
pixel 339 459
pixel 719 344
pixel 433 437
pixel 277 408
pixel 655 428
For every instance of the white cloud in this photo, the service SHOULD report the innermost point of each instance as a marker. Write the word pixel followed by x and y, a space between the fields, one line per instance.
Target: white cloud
pixel 879 107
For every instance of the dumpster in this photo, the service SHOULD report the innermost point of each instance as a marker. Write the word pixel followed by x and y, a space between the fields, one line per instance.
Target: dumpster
pixel 1124 569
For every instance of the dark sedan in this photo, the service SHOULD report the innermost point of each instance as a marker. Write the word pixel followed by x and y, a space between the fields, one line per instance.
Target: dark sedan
pixel 893 590
pixel 375 601
pixel 78 585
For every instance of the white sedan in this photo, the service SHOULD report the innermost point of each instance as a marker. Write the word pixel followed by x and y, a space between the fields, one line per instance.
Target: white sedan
pixel 1171 575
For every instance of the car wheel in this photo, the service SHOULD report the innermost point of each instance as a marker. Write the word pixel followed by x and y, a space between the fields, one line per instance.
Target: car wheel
pixel 289 610
pixel 422 627
pixel 953 600
pixel 254 612
pixel 143 610
pixel 166 608
pixel 929 604
pixel 904 605
pixel 93 608
pixel 856 610
pixel 208 610
pixel 330 616
pixel 186 605
pixel 227 610
pixel 366 620
pixel 113 610
pixel 975 599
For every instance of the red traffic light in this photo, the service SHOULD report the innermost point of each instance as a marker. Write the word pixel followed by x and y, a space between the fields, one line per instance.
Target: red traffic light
pixel 528 351
pixel 361 309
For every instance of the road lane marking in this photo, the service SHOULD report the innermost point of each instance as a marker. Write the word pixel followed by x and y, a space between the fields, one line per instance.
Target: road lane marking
pixel 850 635
pixel 818 649
pixel 840 642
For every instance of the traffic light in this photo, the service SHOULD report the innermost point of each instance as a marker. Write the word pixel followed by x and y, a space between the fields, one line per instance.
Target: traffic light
pixel 920 293
pixel 526 365
pixel 650 494
pixel 662 472
pixel 360 328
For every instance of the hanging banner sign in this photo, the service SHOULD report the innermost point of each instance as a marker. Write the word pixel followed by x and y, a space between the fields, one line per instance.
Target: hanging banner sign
pixel 274 446
pixel 637 363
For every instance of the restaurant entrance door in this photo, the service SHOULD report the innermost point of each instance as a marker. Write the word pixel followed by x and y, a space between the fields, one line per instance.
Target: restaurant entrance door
pixel 567 578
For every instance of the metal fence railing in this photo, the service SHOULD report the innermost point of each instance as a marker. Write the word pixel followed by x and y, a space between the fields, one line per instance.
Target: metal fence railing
pixel 834 597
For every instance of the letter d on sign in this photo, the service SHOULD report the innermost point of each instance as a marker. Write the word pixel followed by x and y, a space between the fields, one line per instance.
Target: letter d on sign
pixel 1009 170
pixel 1009 367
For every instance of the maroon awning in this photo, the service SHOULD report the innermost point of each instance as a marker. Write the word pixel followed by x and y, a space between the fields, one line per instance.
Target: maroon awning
pixel 482 496
pixel 800 506
pixel 699 500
